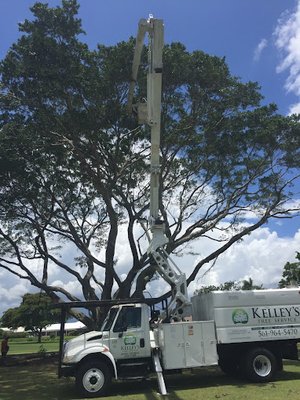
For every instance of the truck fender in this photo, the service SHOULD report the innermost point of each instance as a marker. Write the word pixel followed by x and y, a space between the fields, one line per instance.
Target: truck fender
pixel 98 350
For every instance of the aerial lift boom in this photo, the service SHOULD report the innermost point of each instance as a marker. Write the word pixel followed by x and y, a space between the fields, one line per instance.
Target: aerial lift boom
pixel 149 113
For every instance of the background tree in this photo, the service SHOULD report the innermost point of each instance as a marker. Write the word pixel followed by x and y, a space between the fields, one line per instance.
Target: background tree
pixel 246 284
pixel 74 167
pixel 291 274
pixel 34 314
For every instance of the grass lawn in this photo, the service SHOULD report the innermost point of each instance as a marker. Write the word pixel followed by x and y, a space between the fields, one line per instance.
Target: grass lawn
pixel 39 381
pixel 26 347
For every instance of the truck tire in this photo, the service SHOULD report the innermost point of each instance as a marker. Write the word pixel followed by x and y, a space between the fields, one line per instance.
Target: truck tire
pixel 93 378
pixel 260 365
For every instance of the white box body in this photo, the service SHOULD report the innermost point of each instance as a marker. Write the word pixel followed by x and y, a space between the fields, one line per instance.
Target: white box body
pixel 245 316
pixel 187 344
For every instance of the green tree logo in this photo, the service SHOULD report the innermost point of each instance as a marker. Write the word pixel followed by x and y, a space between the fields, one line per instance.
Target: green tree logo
pixel 129 340
pixel 239 316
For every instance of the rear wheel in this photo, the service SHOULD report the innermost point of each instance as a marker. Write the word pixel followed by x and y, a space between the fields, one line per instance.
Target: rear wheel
pixel 260 365
pixel 93 378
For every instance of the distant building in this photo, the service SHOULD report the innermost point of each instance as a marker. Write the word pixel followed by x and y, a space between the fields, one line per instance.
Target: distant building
pixel 20 329
pixel 53 329
pixel 70 327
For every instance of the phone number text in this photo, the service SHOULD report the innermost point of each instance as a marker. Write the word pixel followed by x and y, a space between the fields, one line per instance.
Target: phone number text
pixel 264 333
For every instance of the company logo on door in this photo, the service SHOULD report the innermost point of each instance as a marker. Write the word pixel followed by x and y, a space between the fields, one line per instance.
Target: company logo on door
pixel 239 316
pixel 130 346
pixel 129 340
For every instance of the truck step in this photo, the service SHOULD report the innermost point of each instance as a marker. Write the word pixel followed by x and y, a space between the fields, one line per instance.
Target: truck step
pixel 132 378
pixel 133 370
pixel 134 364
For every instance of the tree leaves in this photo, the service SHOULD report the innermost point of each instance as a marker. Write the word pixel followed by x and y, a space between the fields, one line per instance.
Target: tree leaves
pixel 291 274
pixel 34 313
pixel 75 166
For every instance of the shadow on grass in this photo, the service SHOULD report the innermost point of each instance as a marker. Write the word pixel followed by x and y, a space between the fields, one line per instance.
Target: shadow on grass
pixel 39 381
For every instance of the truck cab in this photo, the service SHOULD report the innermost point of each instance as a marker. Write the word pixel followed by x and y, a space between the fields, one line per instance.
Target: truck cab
pixel 128 327
pixel 131 344
pixel 121 348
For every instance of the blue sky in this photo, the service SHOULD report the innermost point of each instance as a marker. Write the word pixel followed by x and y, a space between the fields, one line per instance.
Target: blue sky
pixel 231 28
pixel 260 40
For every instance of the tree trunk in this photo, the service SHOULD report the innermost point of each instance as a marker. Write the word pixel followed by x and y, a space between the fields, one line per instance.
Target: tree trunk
pixel 40 335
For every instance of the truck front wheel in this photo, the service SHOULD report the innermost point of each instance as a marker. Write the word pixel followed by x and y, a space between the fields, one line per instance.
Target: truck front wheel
pixel 93 378
pixel 260 365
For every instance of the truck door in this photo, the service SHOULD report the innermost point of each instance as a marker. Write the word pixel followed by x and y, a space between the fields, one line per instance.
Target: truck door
pixel 129 336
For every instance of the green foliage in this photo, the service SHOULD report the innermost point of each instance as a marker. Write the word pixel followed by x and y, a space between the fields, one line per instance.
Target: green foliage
pixel 34 313
pixel 249 285
pixel 8 319
pixel 15 335
pixel 291 274
pixel 230 286
pixel 74 166
pixel 42 350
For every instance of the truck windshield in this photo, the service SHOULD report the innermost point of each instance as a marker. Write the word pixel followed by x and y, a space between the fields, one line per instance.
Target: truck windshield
pixel 109 319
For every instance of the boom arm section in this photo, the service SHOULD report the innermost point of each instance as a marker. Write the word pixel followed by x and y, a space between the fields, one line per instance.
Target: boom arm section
pixel 150 113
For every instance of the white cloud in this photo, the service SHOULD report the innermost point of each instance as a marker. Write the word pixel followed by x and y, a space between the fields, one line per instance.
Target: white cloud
pixel 260 256
pixel 259 49
pixel 294 109
pixel 287 41
pixel 72 286
pixel 11 292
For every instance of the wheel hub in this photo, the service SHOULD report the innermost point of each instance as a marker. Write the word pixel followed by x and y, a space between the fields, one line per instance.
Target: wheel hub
pixel 262 365
pixel 93 380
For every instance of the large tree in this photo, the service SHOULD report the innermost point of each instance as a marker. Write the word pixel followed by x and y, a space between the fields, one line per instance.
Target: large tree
pixel 34 313
pixel 74 167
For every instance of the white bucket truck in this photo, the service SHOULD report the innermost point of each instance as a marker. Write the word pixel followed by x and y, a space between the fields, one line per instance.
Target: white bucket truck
pixel 247 332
